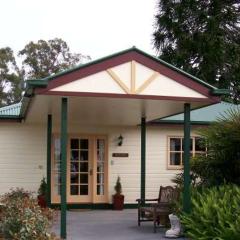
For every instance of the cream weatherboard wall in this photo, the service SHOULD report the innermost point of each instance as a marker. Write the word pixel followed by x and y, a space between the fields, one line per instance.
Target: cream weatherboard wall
pixel 23 156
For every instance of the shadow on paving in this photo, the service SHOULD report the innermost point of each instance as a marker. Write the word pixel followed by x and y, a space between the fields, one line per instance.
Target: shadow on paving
pixel 107 225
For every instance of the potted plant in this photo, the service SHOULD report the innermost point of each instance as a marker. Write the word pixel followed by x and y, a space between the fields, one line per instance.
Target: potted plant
pixel 42 194
pixel 118 198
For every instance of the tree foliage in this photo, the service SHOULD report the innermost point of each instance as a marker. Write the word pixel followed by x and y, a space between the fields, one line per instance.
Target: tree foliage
pixel 203 38
pixel 36 61
pixel 10 77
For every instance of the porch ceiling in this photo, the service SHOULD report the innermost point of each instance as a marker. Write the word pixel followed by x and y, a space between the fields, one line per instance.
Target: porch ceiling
pixel 103 110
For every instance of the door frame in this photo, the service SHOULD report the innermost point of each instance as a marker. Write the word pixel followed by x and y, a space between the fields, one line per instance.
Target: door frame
pixel 94 198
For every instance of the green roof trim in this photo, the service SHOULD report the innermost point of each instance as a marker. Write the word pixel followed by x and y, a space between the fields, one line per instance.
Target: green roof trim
pixel 38 83
pixel 201 116
pixel 15 111
pixel 11 110
pixel 220 92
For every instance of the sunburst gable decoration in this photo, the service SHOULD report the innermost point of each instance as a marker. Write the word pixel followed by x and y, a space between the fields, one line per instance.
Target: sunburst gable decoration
pixel 132 89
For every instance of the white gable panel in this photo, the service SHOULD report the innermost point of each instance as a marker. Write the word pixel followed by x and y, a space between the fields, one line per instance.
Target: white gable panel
pixel 142 74
pixel 165 86
pixel 100 82
pixel 123 71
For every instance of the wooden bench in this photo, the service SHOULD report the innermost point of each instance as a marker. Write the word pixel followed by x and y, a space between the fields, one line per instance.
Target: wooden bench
pixel 157 209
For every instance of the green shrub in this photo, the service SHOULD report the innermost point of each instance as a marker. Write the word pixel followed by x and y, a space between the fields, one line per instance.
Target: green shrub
pixel 221 164
pixel 22 218
pixel 118 186
pixel 215 214
pixel 43 187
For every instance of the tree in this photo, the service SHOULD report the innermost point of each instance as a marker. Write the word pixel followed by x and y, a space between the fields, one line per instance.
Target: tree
pixel 10 77
pixel 38 60
pixel 201 37
pixel 44 58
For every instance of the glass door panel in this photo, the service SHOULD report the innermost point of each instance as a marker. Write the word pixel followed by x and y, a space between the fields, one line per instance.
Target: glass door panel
pixel 79 167
pixel 100 188
pixel 56 168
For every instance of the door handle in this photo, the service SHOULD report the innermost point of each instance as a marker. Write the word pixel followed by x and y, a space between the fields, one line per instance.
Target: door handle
pixel 91 172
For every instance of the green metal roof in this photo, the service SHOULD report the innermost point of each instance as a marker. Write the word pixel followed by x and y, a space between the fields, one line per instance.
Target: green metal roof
pixel 204 115
pixel 11 110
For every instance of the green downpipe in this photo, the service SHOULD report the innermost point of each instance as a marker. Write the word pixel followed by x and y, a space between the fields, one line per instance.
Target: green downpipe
pixel 49 143
pixel 63 168
pixel 143 159
pixel 186 159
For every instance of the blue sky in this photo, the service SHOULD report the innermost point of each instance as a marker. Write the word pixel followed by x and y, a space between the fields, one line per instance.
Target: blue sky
pixel 92 27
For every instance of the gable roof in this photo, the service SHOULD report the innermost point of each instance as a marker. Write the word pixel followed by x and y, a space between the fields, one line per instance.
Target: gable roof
pixel 201 116
pixel 118 58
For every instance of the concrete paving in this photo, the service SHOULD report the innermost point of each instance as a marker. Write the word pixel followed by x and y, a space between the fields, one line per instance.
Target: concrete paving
pixel 107 225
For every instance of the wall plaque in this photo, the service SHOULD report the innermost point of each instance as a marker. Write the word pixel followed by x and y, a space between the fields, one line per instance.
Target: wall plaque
pixel 120 154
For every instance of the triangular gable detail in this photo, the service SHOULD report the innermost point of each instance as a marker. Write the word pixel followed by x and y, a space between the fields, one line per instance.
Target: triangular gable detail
pixel 129 78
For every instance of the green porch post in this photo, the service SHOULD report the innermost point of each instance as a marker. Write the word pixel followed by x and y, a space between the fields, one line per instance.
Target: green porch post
pixel 49 143
pixel 186 159
pixel 63 167
pixel 143 158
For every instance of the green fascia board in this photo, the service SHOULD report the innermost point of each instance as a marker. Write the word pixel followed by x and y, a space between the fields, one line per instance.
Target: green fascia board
pixel 10 117
pixel 220 92
pixel 38 83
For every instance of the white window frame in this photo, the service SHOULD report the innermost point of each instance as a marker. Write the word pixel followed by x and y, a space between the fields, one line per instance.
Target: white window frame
pixel 193 152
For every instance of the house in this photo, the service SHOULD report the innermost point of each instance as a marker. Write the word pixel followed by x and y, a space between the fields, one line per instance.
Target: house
pixel 98 119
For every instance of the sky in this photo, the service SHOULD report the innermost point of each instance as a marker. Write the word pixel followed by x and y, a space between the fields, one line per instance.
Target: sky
pixel 92 27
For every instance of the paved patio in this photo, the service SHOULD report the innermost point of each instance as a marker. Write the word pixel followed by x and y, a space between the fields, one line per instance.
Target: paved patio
pixel 108 225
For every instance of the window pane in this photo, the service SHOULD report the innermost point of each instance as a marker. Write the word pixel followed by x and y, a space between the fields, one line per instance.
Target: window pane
pixel 84 178
pixel 74 167
pixel 100 178
pixel 56 189
pixel 75 155
pixel 83 166
pixel 74 178
pixel 57 149
pixel 175 144
pixel 84 190
pixel 84 155
pixel 200 144
pixel 84 143
pixel 175 158
pixel 191 144
pixel 100 189
pixel 100 167
pixel 57 167
pixel 74 189
pixel 74 144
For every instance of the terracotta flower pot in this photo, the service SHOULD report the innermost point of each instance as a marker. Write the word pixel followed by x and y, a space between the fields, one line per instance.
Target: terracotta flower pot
pixel 42 201
pixel 118 202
